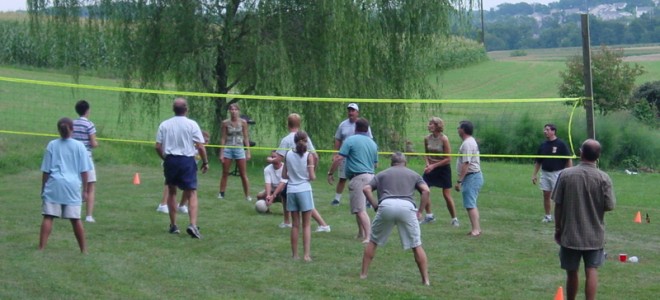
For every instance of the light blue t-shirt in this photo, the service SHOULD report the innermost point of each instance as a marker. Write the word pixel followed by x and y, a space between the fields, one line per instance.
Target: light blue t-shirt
pixel 346 129
pixel 360 153
pixel 64 160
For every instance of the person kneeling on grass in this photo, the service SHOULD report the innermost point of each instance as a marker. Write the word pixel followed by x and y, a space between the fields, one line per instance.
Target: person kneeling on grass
pixel 65 165
pixel 396 206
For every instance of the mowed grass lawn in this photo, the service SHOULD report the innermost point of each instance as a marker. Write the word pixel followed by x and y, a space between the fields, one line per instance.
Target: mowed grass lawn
pixel 244 255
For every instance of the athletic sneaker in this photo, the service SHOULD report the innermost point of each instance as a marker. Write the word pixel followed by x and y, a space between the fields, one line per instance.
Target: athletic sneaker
pixel 193 231
pixel 183 209
pixel 162 208
pixel 284 225
pixel 454 222
pixel 221 195
pixel 174 229
pixel 334 202
pixel 547 219
pixel 248 198
pixel 323 228
pixel 90 219
pixel 427 220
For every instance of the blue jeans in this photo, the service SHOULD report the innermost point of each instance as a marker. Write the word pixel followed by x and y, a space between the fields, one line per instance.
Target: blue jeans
pixel 470 188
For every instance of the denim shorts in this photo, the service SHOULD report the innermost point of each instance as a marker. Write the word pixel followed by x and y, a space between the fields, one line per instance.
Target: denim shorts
pixel 234 153
pixel 301 201
pixel 470 188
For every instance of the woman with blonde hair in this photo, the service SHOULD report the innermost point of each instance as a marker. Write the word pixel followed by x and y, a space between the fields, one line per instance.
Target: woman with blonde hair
pixel 438 168
pixel 235 138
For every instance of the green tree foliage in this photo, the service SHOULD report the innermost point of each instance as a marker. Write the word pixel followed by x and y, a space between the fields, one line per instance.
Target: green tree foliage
pixel 645 103
pixel 332 48
pixel 613 79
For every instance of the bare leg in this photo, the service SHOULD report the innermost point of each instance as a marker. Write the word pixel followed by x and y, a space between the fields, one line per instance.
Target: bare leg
pixel 295 227
pixel 79 232
pixel 244 178
pixel 473 213
pixel 547 206
pixel 184 200
pixel 307 235
pixel 46 229
pixel 317 217
pixel 166 192
pixel 285 213
pixel 171 203
pixel 364 224
pixel 367 257
pixel 446 193
pixel 91 187
pixel 572 284
pixel 191 195
pixel 591 284
pixel 420 259
pixel 340 185
pixel 226 164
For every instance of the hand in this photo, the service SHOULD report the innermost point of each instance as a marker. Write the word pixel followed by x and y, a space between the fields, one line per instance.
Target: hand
pixel 557 236
pixel 534 179
pixel 457 187
pixel 331 179
pixel 269 199
pixel 204 168
pixel 248 155
pixel 428 169
pixel 419 215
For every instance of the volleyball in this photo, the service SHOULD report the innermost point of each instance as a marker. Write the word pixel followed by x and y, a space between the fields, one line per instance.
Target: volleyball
pixel 260 206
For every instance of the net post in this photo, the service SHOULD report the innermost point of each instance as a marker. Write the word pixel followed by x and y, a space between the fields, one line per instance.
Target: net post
pixel 588 83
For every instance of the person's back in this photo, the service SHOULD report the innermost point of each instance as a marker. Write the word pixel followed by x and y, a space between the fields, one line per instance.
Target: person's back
pixel 63 163
pixel 397 182
pixel 297 172
pixel 585 192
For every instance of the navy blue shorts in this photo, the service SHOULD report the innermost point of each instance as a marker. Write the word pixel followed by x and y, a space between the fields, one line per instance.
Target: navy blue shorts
pixel 181 171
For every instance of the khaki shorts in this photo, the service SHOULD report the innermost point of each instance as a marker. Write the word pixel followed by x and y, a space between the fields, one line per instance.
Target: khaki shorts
pixel 60 210
pixel 355 186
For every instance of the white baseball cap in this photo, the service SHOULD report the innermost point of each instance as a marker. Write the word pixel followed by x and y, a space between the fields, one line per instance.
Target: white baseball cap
pixel 353 106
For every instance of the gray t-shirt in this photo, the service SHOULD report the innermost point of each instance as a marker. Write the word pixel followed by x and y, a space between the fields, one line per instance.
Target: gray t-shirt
pixel 470 148
pixel 396 182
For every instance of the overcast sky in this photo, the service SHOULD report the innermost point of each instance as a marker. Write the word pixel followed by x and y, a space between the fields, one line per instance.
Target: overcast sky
pixel 12 5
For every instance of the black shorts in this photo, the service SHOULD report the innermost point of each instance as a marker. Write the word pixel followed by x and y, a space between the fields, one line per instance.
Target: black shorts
pixel 180 171
pixel 439 177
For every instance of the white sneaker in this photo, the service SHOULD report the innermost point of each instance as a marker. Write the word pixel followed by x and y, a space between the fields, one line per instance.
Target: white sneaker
pixel 285 225
pixel 183 209
pixel 547 219
pixel 248 198
pixel 163 209
pixel 323 228
pixel 90 219
pixel 220 196
pixel 454 222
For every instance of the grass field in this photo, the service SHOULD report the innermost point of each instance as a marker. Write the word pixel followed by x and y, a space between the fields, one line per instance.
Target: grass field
pixel 245 255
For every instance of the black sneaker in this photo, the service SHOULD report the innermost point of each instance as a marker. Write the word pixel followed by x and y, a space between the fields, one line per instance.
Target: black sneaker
pixel 193 231
pixel 174 229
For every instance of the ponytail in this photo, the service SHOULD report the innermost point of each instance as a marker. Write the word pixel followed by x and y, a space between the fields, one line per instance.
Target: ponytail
pixel 301 142
pixel 65 127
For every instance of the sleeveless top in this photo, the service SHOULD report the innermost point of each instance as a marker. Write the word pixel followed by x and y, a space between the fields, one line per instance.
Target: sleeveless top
pixel 434 145
pixel 234 134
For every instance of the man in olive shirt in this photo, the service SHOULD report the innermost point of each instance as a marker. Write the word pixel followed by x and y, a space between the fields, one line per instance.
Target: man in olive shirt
pixel 582 195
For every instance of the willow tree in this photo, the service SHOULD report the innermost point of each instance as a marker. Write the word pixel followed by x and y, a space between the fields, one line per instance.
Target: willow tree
pixel 309 48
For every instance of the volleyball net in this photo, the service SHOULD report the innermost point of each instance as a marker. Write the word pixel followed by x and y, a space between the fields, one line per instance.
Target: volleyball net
pixel 504 128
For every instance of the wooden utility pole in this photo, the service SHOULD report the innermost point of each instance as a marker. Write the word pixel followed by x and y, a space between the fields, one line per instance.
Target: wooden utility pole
pixel 483 33
pixel 588 83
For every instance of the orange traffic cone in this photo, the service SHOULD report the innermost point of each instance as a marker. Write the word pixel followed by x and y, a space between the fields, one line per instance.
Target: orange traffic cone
pixel 136 179
pixel 559 295
pixel 638 218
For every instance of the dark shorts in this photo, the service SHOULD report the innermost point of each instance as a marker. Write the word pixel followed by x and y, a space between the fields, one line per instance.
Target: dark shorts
pixel 181 171
pixel 570 258
pixel 439 177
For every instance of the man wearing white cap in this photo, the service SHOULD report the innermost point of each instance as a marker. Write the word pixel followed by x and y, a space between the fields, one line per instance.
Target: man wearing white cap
pixel 346 128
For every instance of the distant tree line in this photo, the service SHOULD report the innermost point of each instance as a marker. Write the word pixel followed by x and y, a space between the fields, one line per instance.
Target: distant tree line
pixel 512 26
